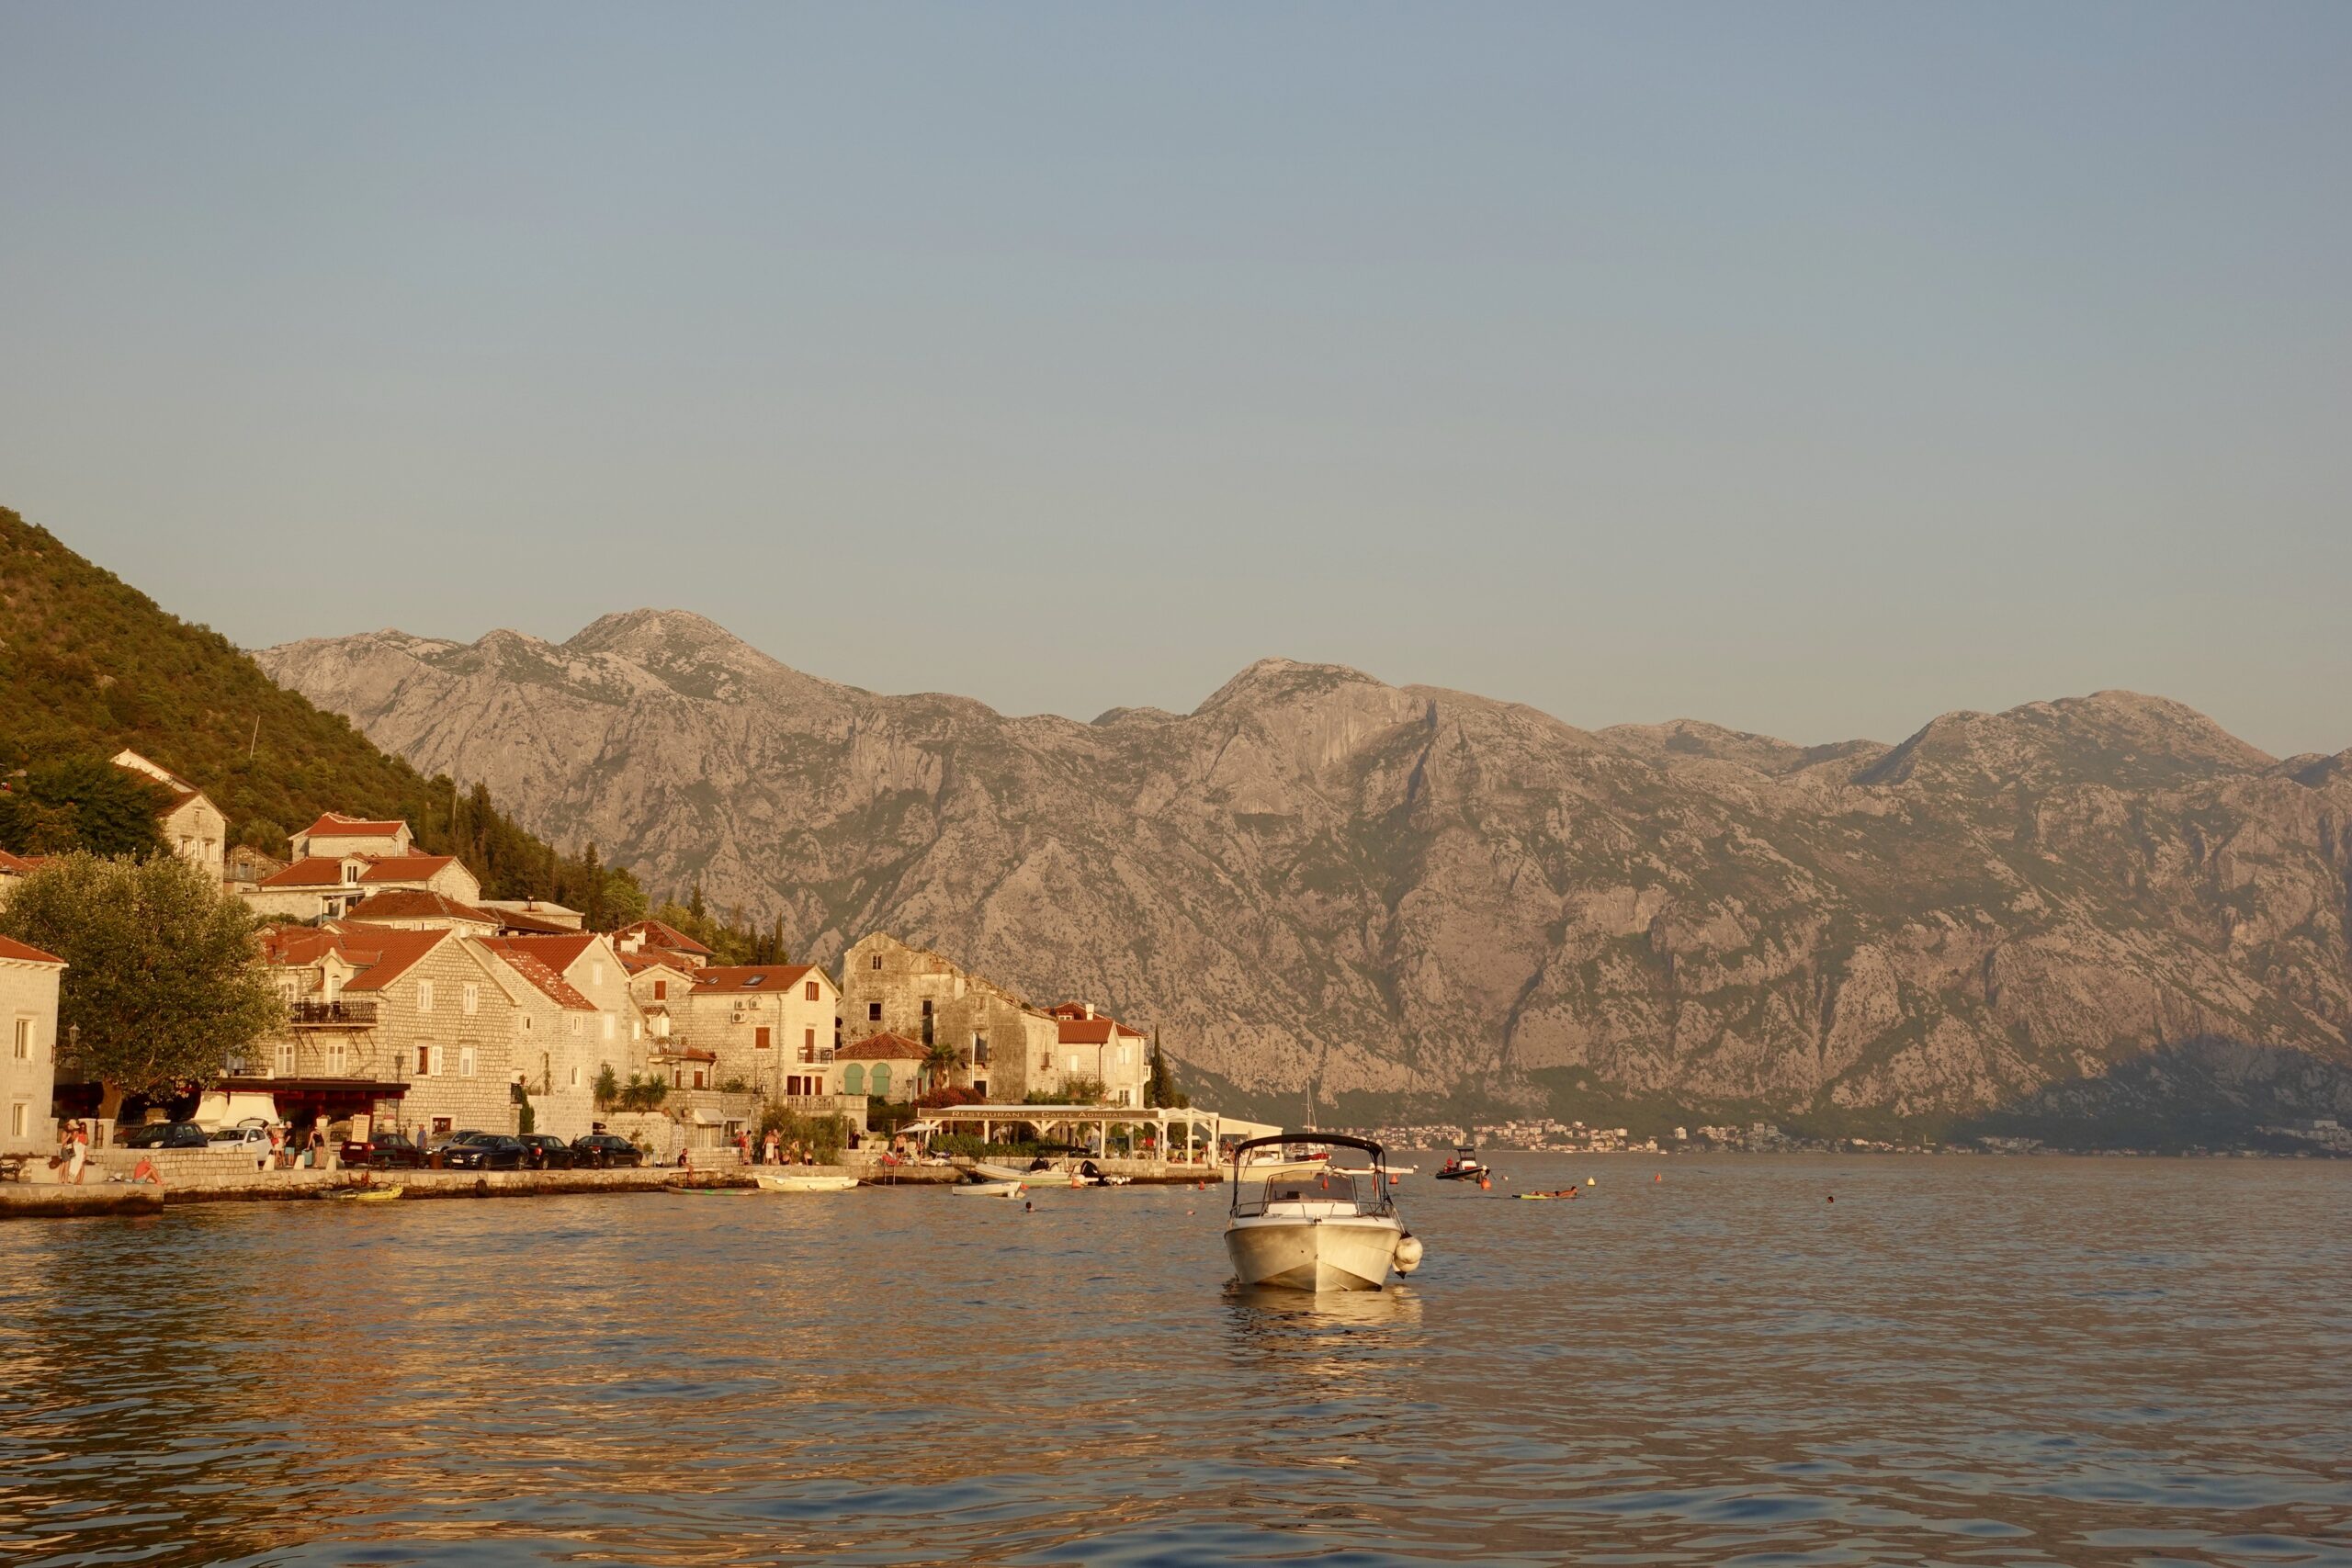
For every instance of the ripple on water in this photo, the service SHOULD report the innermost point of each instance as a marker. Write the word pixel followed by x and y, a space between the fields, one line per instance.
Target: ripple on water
pixel 1965 1361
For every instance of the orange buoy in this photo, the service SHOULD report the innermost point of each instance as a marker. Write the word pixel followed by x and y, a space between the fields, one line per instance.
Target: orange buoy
pixel 1484 1184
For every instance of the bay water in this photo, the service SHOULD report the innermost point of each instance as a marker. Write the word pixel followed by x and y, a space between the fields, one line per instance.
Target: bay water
pixel 1960 1360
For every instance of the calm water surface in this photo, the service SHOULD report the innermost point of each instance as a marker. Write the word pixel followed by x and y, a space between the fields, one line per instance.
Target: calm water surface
pixel 1962 1361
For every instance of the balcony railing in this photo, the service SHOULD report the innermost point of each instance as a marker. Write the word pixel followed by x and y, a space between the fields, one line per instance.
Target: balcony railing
pixel 331 1015
pixel 816 1052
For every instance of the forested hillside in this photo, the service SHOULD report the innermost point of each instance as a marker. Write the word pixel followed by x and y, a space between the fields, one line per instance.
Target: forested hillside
pixel 89 665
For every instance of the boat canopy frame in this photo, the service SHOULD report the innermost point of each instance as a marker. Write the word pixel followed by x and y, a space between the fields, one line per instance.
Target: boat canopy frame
pixel 1381 1203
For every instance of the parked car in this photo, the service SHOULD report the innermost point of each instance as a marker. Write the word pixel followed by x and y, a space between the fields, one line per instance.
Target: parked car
pixel 247 1141
pixel 485 1151
pixel 605 1151
pixel 157 1135
pixel 384 1151
pixel 543 1152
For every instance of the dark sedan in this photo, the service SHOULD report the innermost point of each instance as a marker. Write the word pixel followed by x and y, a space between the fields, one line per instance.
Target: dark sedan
pixel 485 1151
pixel 383 1151
pixel 605 1151
pixel 542 1152
pixel 166 1135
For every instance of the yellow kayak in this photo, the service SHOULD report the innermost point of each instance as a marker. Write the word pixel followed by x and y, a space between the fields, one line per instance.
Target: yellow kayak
pixel 366 1194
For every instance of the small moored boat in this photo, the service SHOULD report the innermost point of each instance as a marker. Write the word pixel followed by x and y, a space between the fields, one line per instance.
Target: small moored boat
pixel 710 1192
pixel 812 1181
pixel 986 1189
pixel 366 1194
pixel 1463 1164
pixel 1317 1228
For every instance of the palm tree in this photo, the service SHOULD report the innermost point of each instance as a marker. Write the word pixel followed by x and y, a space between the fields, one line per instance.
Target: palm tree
pixel 941 1062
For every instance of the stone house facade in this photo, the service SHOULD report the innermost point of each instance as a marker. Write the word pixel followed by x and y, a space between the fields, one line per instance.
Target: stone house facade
pixel 1009 1048
pixel 335 835
pixel 27 1047
pixel 883 1066
pixel 193 828
pixel 371 1008
pixel 325 886
pixel 769 1027
pixel 595 1023
pixel 1091 1044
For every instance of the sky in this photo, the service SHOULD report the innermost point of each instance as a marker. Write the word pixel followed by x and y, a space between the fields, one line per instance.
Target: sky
pixel 1807 368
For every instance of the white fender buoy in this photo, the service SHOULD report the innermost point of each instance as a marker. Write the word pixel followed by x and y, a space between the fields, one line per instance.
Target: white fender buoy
pixel 1408 1254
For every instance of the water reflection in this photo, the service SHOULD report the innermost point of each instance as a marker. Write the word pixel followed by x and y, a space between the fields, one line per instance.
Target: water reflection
pixel 1961 1362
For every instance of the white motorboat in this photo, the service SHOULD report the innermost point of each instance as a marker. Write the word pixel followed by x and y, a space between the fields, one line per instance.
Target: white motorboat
pixel 1393 1170
pixel 985 1189
pixel 1315 1228
pixel 789 1180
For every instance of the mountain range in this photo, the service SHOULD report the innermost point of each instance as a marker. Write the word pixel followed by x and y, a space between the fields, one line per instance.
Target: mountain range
pixel 2098 913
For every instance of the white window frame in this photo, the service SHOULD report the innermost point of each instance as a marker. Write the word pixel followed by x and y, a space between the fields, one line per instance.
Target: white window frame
pixel 283 1062
pixel 338 1059
pixel 471 998
pixel 24 1033
pixel 610 1024
pixel 465 1061
pixel 425 996
pixel 20 1119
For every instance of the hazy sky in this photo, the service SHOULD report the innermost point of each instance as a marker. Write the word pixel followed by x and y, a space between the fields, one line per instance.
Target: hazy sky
pixel 1807 368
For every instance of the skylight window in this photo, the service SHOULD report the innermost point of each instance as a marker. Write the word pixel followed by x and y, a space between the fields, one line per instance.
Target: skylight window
pixel 752 980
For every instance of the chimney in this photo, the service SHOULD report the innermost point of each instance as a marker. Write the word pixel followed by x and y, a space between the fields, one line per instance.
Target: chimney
pixel 1090 1012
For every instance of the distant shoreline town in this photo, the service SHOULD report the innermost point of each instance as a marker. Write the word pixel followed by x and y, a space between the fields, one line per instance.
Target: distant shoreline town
pixel 414 1008
pixel 410 1007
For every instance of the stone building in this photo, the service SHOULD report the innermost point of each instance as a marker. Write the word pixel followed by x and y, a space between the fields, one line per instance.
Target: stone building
pixel 601 1025
pixel 334 836
pixel 1009 1048
pixel 28 1069
pixel 652 939
pixel 192 826
pixel 769 1027
pixel 883 1066
pixel 323 887
pixel 418 1028
pixel 563 1038
pixel 1092 1044
pixel 14 869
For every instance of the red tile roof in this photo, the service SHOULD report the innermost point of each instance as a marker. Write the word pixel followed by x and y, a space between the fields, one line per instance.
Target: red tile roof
pixel 326 870
pixel 527 925
pixel 19 865
pixel 557 952
pixel 23 952
pixel 518 953
pixel 418 904
pixel 334 825
pixel 386 953
pixel 310 871
pixel 685 1053
pixel 750 976
pixel 656 934
pixel 1096 1031
pixel 883 1048
pixel 406 868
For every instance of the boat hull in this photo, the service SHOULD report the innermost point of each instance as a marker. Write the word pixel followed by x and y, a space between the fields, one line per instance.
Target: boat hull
pixel 770 1182
pixel 1334 1253
pixel 986 1189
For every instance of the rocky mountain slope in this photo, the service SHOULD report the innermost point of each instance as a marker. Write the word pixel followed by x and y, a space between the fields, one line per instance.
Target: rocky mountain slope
pixel 1424 896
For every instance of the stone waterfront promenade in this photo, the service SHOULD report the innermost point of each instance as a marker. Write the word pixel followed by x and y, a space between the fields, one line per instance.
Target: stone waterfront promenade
pixel 204 1177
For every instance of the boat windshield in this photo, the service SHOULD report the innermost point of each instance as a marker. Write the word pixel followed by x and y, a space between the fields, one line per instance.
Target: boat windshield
pixel 1311 1186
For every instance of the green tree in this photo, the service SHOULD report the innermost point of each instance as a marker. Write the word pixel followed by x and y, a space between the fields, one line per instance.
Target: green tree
pixel 940 1063
pixel 82 803
pixel 608 1087
pixel 1159 1089
pixel 163 983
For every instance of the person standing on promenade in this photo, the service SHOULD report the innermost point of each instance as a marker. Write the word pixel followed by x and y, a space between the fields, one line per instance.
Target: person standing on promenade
pixel 77 1153
pixel 775 1146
